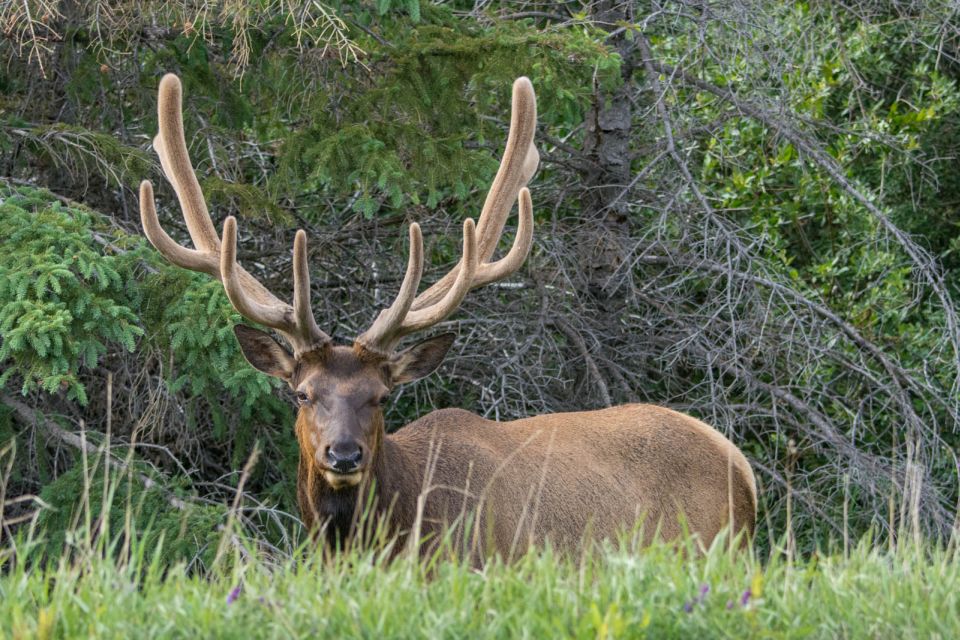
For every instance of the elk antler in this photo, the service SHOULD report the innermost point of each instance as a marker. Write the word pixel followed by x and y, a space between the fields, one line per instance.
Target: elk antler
pixel 250 298
pixel 410 312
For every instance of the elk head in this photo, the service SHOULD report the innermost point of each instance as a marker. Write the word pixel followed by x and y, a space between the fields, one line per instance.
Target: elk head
pixel 340 389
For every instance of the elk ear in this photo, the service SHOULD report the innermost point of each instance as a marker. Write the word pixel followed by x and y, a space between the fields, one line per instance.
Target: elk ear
pixel 419 360
pixel 264 353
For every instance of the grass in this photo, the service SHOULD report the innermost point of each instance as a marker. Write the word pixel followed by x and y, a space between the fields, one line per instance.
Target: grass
pixel 105 569
pixel 872 593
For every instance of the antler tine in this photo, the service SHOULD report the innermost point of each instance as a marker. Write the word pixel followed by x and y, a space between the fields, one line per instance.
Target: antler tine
pixel 422 318
pixel 277 315
pixel 167 246
pixel 389 320
pixel 245 292
pixel 302 309
pixel 177 166
pixel 519 163
pixel 492 271
pixel 255 302
pixel 397 321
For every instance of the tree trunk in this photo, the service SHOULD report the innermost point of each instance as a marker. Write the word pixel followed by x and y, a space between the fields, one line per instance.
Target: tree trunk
pixel 607 145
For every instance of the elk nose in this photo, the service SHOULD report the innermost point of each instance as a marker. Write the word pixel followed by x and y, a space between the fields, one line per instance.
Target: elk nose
pixel 344 458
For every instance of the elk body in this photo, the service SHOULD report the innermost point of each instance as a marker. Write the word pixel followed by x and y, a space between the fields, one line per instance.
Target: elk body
pixel 567 478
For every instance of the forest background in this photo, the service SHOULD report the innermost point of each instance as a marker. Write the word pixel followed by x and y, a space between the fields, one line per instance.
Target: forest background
pixel 747 211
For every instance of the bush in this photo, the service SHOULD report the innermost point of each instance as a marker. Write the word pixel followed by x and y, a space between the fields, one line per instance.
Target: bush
pixel 64 297
pixel 76 296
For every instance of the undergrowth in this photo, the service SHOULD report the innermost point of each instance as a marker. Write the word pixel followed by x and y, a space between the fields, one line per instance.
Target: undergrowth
pixel 119 576
pixel 611 593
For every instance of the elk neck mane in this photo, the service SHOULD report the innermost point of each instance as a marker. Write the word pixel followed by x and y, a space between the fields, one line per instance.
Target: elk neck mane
pixel 334 514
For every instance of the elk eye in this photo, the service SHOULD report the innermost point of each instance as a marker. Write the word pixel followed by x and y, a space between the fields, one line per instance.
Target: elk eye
pixel 302 398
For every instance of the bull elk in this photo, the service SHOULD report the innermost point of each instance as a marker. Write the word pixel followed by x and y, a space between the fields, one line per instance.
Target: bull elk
pixel 566 478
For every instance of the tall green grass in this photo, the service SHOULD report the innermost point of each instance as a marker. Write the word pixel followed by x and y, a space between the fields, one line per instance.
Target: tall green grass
pixel 114 577
pixel 871 593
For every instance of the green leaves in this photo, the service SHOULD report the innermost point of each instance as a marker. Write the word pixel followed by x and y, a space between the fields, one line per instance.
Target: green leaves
pixel 63 300
pixel 412 7
pixel 66 301
pixel 430 124
pixel 198 330
pixel 81 153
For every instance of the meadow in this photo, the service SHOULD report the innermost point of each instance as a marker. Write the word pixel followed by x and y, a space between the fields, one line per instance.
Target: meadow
pixel 614 592
pixel 117 571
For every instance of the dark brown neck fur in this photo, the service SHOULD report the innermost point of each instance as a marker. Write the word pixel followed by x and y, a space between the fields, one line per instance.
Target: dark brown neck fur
pixel 334 515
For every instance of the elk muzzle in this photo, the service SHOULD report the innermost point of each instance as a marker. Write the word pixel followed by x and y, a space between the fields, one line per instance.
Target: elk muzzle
pixel 343 464
pixel 344 458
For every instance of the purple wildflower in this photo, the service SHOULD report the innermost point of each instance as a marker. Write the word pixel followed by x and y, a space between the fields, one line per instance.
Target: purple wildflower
pixel 690 604
pixel 729 605
pixel 745 598
pixel 234 593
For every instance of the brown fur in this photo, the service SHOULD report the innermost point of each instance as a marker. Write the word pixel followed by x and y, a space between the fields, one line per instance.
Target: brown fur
pixel 562 477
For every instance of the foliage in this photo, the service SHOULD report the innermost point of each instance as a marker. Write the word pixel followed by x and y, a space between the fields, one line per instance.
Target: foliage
pixel 403 140
pixel 76 151
pixel 122 503
pixel 73 287
pixel 77 292
pixel 779 256
pixel 64 298
pixel 779 122
pixel 613 593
